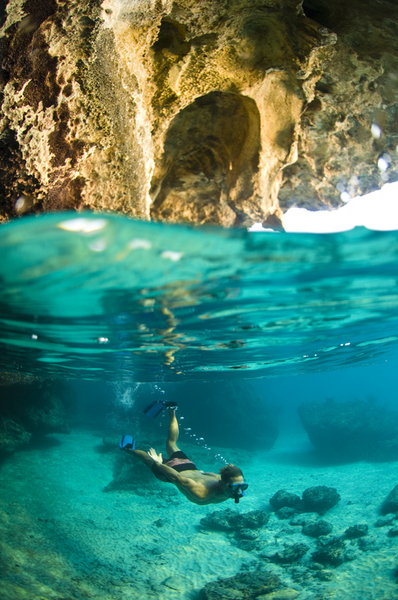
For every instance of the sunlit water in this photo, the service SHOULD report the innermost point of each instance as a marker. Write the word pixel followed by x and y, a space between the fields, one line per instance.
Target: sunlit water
pixel 107 297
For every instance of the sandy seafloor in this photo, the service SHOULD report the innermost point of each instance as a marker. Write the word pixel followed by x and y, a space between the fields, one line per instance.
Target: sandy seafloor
pixel 63 537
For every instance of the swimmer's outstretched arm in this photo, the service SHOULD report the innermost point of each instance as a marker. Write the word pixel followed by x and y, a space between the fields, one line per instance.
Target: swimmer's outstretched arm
pixel 196 489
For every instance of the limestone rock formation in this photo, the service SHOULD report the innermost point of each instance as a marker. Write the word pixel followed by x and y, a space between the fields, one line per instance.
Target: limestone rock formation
pixel 31 407
pixel 205 112
pixel 390 504
pixel 351 430
pixel 243 586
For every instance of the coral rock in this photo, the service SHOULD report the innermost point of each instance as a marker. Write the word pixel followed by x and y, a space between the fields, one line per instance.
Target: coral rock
pixel 317 529
pixel 356 531
pixel 283 498
pixel 330 553
pixel 319 498
pixel 245 586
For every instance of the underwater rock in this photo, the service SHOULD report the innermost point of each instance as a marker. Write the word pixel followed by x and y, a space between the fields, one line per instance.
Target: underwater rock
pixel 130 476
pixel 317 529
pixel 254 519
pixel 285 513
pixel 219 520
pixel 390 504
pixel 47 417
pixel 301 520
pixel 249 545
pixel 356 531
pixel 285 594
pixel 290 554
pixel 386 520
pixel 370 544
pixel 247 540
pixel 350 554
pixel 12 436
pixel 246 534
pixel 244 586
pixel 228 519
pixel 330 552
pixel 282 499
pixel 351 430
pixel 324 575
pixel 319 498
pixel 32 406
pixel 393 532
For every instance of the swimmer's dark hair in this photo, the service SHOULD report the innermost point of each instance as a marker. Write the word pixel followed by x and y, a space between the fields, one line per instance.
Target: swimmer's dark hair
pixel 230 471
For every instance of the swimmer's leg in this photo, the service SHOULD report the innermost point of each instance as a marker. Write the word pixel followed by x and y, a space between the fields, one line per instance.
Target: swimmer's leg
pixel 173 433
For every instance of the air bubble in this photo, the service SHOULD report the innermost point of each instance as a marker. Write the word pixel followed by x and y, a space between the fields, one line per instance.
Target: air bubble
pixel 376 131
pixel 387 157
pixel 382 164
pixel 345 197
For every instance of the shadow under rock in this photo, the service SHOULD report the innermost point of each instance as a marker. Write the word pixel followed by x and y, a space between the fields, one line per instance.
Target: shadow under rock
pixel 41 443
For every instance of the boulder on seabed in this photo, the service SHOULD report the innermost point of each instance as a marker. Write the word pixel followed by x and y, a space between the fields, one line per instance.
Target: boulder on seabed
pixel 12 436
pixel 351 430
pixel 317 529
pixel 390 504
pixel 285 513
pixel 31 406
pixel 330 553
pixel 291 554
pixel 243 586
pixel 230 519
pixel 356 531
pixel 319 498
pixel 282 499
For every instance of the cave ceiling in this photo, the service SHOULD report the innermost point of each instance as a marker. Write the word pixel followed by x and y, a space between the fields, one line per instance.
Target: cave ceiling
pixel 218 111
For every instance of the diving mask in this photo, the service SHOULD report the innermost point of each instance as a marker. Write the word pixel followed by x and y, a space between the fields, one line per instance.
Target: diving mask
pixel 238 490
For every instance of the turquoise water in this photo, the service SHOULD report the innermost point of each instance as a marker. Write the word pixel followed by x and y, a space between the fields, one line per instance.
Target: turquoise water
pixel 105 297
pixel 240 328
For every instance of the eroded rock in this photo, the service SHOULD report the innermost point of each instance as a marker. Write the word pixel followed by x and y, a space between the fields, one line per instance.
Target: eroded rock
pixel 390 504
pixel 319 498
pixel 244 586
pixel 179 114
pixel 330 553
pixel 12 436
pixel 230 519
pixel 356 531
pixel 31 406
pixel 282 499
pixel 291 554
pixel 354 430
pixel 317 529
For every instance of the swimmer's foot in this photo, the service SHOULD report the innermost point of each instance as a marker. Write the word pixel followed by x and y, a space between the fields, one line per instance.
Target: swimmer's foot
pixel 171 405
pixel 127 443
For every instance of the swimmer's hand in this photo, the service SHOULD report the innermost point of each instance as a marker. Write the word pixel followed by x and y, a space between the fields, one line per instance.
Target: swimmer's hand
pixel 156 457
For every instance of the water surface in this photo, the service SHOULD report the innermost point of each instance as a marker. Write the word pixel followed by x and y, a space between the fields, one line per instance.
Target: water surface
pixel 106 297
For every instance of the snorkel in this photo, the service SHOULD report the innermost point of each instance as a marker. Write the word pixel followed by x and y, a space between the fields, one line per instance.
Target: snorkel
pixel 238 490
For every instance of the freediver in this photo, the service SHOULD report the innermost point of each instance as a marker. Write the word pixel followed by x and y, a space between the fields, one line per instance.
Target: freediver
pixel 199 487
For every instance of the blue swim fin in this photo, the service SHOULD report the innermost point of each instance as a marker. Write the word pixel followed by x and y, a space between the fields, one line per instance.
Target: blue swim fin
pixel 127 442
pixel 155 408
